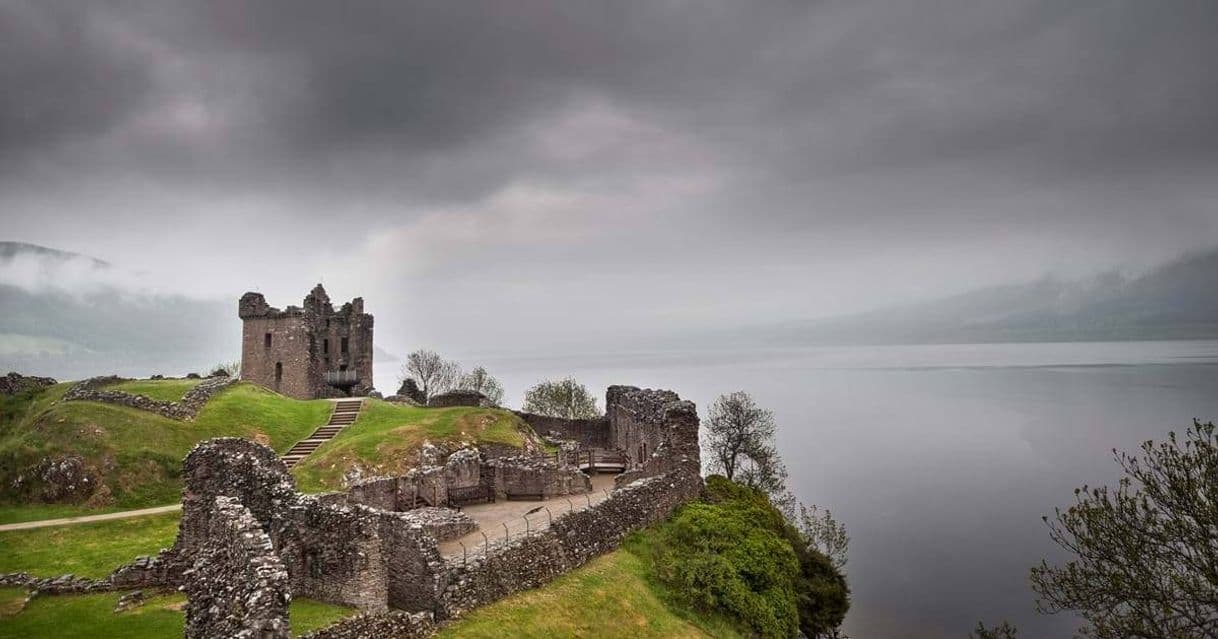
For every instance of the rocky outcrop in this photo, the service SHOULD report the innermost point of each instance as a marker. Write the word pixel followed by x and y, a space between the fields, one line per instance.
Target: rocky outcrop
pixel 59 479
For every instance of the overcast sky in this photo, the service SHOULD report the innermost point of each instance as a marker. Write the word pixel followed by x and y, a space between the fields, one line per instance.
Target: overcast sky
pixel 527 171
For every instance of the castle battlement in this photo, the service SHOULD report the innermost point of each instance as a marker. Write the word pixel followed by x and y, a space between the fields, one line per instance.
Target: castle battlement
pixel 307 351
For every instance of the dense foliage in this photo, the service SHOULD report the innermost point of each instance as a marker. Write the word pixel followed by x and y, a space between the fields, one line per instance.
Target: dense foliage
pixel 735 553
pixel 564 398
pixel 1145 555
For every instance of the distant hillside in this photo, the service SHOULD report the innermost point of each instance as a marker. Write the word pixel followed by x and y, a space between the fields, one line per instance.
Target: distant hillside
pixel 66 315
pixel 1178 300
pixel 10 250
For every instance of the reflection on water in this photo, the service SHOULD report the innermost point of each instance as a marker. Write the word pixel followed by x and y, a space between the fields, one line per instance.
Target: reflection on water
pixel 940 459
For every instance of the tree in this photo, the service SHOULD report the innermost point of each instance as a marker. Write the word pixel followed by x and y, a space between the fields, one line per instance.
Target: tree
pixel 739 431
pixel 433 373
pixel 1001 631
pixel 1146 553
pixel 481 381
pixel 226 369
pixel 564 398
pixel 824 533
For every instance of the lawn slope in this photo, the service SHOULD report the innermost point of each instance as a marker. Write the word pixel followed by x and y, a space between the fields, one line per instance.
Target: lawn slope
pixel 386 438
pixel 613 596
pixel 135 455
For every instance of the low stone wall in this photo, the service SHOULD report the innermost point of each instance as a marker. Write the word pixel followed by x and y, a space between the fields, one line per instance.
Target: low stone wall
pixel 535 478
pixel 590 433
pixel 93 390
pixel 237 586
pixel 441 524
pixel 62 585
pixel 16 383
pixel 392 625
pixel 458 398
pixel 572 540
pixel 576 537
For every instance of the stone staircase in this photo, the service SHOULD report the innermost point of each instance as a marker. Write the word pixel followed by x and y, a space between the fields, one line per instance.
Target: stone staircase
pixel 345 412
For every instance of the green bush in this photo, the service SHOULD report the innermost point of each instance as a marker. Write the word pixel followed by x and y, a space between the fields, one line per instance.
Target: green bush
pixel 734 553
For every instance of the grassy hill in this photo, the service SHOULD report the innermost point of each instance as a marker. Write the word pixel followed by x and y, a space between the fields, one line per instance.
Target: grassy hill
pixel 386 438
pixel 614 596
pixel 135 456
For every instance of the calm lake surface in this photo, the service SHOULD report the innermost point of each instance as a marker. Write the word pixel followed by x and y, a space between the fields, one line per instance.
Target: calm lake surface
pixel 940 459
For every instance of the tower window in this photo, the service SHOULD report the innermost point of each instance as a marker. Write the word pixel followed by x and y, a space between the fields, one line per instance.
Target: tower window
pixel 278 372
pixel 266 340
pixel 325 346
pixel 344 345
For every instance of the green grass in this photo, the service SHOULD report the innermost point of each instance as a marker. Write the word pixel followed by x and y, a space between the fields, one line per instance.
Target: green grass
pixel 11 514
pixel 136 453
pixel 308 615
pixel 611 596
pixel 385 438
pixel 89 550
pixel 161 617
pixel 165 390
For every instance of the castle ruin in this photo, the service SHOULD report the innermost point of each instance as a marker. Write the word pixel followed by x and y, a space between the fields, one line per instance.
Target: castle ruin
pixel 308 351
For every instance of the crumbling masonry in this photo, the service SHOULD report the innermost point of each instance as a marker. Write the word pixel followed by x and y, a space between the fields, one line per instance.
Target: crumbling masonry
pixel 243 522
pixel 307 352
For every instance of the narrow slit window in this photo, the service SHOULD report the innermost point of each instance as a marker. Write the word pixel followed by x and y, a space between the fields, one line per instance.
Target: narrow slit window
pixel 278 372
pixel 325 346
pixel 266 340
pixel 344 346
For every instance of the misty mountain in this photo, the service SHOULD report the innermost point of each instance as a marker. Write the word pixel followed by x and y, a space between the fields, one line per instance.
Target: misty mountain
pixel 66 315
pixel 1178 300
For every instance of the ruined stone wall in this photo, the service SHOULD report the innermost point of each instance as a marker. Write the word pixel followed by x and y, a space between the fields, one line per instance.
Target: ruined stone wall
pixel 590 433
pixel 378 560
pixel 656 429
pixel 535 478
pixel 306 342
pixel 193 401
pixel 458 398
pixel 572 540
pixel 576 537
pixel 391 625
pixel 236 587
pixel 334 553
pixel 15 383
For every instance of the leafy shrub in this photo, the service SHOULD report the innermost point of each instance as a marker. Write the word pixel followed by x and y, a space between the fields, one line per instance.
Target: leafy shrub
pixel 734 554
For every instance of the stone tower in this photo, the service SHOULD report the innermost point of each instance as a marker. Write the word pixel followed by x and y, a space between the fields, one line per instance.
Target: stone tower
pixel 307 352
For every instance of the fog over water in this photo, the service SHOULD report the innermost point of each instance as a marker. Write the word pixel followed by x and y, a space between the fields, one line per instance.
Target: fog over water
pixel 940 459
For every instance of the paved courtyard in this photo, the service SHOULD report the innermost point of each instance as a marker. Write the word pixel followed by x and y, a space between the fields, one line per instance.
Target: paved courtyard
pixel 492 518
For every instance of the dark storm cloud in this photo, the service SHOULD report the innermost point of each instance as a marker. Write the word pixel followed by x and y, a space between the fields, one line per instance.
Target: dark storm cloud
pixel 64 72
pixel 354 91
pixel 784 140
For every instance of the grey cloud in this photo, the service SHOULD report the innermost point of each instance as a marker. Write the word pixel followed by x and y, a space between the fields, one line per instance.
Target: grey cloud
pixel 817 130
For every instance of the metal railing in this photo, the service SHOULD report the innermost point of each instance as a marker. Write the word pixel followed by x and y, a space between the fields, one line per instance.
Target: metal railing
pixel 342 378
pixel 533 522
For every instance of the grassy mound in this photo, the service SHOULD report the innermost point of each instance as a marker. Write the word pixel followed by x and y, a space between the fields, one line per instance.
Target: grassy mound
pixel 135 455
pixel 615 595
pixel 386 438
pixel 165 390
